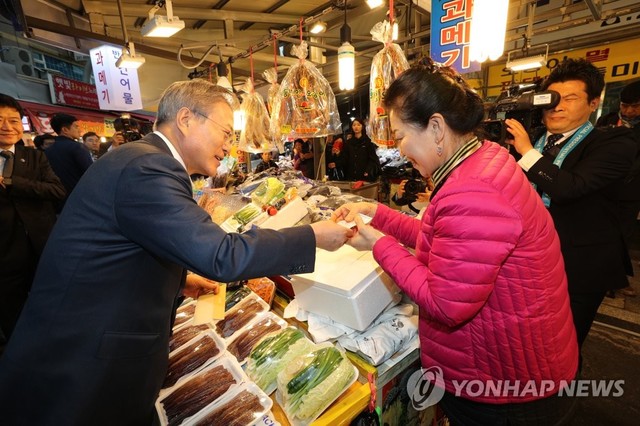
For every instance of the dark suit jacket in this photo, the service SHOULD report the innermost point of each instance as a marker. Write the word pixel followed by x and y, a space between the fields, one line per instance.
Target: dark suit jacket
pixel 585 209
pixel 29 199
pixel 91 346
pixel 69 159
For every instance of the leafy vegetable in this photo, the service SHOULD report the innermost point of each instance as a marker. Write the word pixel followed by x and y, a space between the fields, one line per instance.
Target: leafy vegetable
pixel 273 353
pixel 311 382
pixel 268 192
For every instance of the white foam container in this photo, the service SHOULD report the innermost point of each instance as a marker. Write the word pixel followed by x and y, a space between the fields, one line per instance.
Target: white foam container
pixel 347 286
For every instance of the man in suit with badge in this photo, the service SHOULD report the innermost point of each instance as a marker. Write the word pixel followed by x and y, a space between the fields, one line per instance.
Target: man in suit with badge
pixel 577 170
pixel 28 188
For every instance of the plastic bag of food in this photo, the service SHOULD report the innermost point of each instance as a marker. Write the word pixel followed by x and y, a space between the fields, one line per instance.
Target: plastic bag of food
pixel 255 136
pixel 271 75
pixel 311 382
pixel 243 405
pixel 268 192
pixel 387 65
pixel 273 353
pixel 305 106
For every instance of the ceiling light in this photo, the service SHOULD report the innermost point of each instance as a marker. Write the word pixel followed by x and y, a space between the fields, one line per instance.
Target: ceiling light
pixel 346 57
pixel 160 26
pixel 318 27
pixel 528 63
pixel 488 27
pixel 128 58
pixel 374 3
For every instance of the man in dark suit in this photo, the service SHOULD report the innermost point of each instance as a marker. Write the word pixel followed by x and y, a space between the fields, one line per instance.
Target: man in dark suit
pixel 577 170
pixel 68 157
pixel 28 187
pixel 91 346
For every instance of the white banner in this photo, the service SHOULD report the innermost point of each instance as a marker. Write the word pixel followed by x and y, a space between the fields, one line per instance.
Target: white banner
pixel 118 88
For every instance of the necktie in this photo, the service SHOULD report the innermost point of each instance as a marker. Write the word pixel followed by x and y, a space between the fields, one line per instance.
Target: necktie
pixel 551 141
pixel 7 172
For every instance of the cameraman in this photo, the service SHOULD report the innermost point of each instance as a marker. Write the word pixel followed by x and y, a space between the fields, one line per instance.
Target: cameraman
pixel 576 169
pixel 413 191
pixel 127 130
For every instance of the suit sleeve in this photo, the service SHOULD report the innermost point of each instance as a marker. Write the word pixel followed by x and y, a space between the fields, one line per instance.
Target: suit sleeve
pixel 44 184
pixel 155 209
pixel 607 158
pixel 469 244
pixel 82 157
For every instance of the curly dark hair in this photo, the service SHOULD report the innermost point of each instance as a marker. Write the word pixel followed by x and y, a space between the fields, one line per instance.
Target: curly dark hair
pixel 577 69
pixel 428 88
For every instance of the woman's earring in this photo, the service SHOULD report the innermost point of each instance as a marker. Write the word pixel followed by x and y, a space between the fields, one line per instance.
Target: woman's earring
pixel 439 150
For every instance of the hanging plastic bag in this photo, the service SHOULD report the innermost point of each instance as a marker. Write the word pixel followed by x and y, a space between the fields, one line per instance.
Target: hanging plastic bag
pixel 255 136
pixel 305 106
pixel 387 65
pixel 271 75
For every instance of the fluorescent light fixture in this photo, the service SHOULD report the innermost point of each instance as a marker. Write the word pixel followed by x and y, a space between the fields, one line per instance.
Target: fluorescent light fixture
pixel 128 58
pixel 318 27
pixel 528 62
pixel 488 27
pixel 374 3
pixel 346 66
pixel 160 26
pixel 346 57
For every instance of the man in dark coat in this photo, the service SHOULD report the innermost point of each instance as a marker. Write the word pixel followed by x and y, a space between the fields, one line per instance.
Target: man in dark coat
pixel 28 187
pixel 92 344
pixel 577 169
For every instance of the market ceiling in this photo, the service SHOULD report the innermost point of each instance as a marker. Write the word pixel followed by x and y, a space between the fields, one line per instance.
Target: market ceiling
pixel 239 25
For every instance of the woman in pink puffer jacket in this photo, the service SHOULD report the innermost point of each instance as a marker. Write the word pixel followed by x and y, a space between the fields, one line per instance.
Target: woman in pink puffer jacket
pixel 487 273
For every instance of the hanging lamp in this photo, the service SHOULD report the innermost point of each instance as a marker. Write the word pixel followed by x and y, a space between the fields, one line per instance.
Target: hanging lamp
pixel 346 56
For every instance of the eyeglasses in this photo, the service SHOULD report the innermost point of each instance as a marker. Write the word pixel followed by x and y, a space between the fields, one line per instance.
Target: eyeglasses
pixel 227 133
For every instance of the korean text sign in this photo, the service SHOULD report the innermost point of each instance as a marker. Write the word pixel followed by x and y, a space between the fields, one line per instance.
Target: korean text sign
pixel 450 30
pixel 117 88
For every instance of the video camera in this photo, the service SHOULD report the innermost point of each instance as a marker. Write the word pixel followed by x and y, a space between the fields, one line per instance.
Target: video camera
pixel 130 128
pixel 523 103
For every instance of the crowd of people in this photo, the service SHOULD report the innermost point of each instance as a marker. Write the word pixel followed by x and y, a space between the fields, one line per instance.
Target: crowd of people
pixel 508 262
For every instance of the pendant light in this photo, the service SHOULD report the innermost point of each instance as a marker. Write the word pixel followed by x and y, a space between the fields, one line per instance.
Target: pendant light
pixel 346 56
pixel 488 27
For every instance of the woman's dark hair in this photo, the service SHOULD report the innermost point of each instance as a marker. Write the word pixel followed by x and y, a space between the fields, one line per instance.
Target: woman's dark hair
pixel 361 121
pixel 577 69
pixel 428 88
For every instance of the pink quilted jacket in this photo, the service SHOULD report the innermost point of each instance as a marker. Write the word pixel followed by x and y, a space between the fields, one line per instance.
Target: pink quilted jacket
pixel 489 279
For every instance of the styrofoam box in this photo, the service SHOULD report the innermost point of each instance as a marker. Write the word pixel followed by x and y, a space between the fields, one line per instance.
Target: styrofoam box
pixel 347 285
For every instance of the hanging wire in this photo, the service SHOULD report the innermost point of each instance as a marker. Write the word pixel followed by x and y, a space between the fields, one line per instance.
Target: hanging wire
pixel 301 20
pixel 275 53
pixel 391 13
pixel 251 64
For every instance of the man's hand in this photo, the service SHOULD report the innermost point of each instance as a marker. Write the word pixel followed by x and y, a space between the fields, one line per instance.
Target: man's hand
pixel 329 235
pixel 196 283
pixel 520 141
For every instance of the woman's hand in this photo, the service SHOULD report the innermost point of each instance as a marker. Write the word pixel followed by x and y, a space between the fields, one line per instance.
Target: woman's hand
pixel 196 283
pixel 365 236
pixel 520 141
pixel 350 211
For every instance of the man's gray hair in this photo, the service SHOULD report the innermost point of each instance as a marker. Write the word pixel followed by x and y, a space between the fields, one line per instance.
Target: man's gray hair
pixel 198 95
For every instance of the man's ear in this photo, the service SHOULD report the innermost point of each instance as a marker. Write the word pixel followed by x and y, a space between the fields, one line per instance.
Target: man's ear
pixel 595 102
pixel 184 117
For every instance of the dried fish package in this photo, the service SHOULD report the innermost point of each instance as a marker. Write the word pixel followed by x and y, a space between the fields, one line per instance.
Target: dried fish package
pixel 386 66
pixel 185 333
pixel 240 315
pixel 242 408
pixel 207 386
pixel 241 345
pixel 190 358
pixel 305 106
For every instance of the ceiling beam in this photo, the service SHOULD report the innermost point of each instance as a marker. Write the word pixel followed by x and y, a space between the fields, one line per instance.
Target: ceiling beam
pixel 136 10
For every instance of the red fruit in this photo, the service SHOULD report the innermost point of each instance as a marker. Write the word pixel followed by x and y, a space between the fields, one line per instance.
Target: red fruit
pixel 380 111
pixel 271 211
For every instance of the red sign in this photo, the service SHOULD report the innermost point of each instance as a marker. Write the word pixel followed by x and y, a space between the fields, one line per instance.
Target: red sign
pixel 65 91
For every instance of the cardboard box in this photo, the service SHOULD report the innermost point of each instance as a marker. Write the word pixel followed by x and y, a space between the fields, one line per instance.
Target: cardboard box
pixel 348 286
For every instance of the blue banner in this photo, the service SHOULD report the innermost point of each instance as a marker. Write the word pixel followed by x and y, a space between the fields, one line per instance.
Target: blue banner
pixel 450 30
